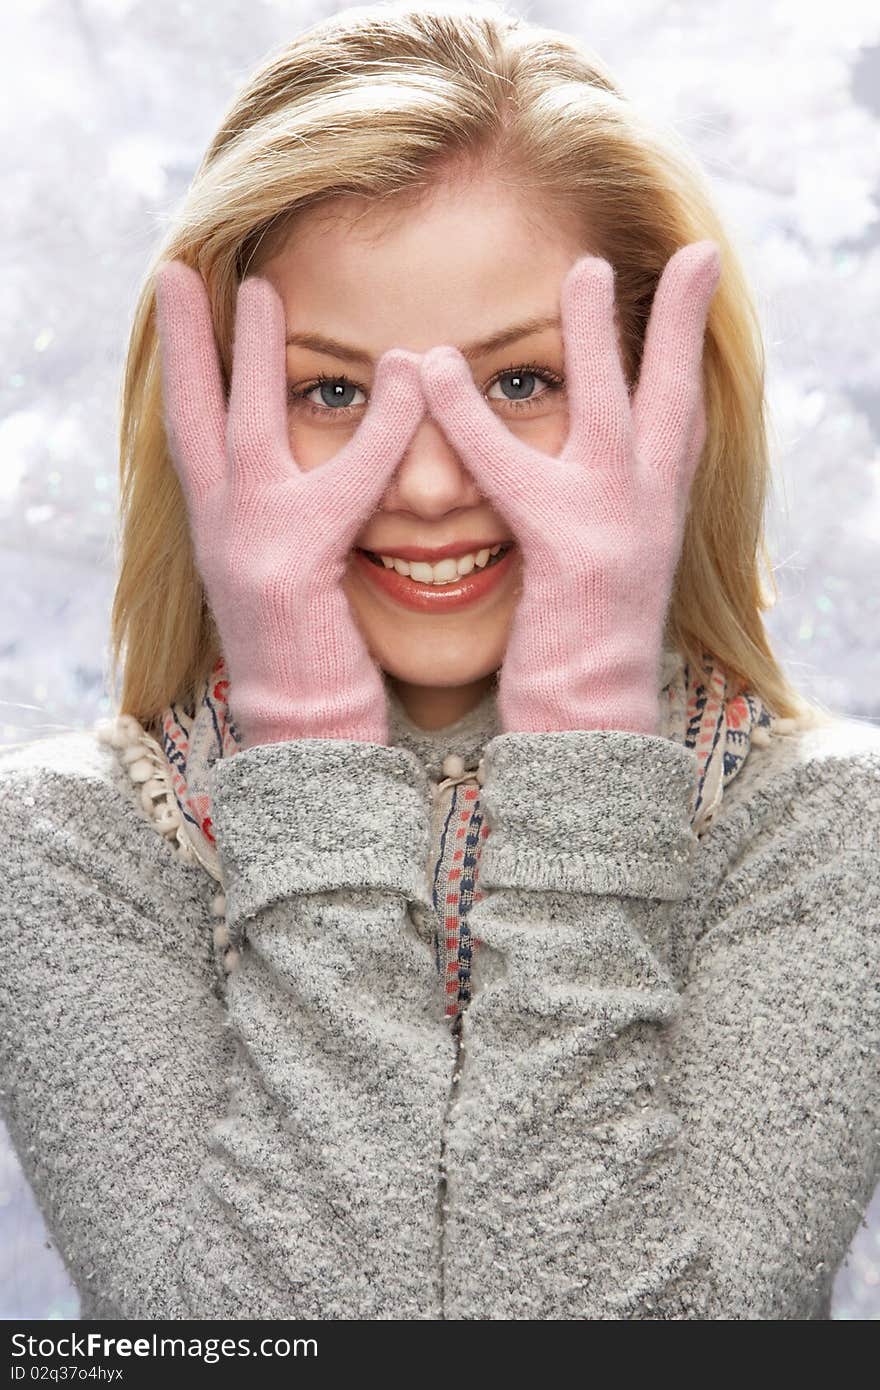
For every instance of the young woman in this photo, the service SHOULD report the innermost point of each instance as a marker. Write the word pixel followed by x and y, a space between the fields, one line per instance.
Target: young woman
pixel 463 918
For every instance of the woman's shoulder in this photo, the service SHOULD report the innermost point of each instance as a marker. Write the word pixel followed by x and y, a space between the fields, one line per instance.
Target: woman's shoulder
pixel 65 776
pixel 818 784
pixel 836 753
pixel 55 775
pixel 841 737
pixel 79 853
pixel 70 798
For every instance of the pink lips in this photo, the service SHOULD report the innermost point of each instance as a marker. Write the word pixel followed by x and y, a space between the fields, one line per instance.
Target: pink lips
pixel 435 598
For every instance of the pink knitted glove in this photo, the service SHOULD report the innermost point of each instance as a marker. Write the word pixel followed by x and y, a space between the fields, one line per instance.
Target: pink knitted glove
pixel 600 526
pixel 271 543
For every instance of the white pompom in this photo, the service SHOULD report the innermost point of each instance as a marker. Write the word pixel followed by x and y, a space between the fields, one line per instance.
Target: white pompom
pixel 141 771
pixel 453 765
pixel 221 935
pixel 760 736
pixel 166 818
pixel 113 732
pixel 129 726
pixel 218 904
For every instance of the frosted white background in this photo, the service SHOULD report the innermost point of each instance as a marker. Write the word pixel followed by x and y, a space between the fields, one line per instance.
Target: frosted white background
pixel 106 107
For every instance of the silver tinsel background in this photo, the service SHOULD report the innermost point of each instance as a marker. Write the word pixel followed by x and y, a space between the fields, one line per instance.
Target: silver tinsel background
pixel 107 106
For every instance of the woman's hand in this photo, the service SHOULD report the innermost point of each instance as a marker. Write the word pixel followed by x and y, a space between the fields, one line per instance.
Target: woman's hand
pixel 600 526
pixel 271 542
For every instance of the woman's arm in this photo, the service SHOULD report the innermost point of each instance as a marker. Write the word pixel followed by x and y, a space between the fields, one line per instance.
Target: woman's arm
pixel 628 1141
pixel 774 1054
pixel 274 1158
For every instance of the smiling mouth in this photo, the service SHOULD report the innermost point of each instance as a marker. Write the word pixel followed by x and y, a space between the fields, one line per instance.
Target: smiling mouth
pixel 446 593
pixel 438 583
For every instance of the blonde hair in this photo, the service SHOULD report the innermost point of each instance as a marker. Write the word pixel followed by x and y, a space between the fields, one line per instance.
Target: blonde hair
pixel 449 88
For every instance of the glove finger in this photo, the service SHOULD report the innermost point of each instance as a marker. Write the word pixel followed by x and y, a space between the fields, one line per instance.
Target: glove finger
pixel 512 475
pixel 358 476
pixel 670 388
pixel 192 381
pixel 259 446
pixel 600 427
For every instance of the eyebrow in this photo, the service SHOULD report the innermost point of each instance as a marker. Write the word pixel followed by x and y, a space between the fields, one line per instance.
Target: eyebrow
pixel 316 342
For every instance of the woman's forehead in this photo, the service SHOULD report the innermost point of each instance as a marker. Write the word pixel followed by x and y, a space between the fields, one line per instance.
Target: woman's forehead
pixel 452 271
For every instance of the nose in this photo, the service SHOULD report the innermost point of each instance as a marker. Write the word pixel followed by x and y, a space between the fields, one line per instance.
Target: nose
pixel 431 479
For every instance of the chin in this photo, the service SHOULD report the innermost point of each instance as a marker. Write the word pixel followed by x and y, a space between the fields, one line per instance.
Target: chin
pixel 455 668
pixel 438 659
pixel 442 680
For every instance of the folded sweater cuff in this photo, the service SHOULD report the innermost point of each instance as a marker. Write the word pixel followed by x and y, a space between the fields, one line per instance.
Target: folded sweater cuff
pixel 314 815
pixel 592 811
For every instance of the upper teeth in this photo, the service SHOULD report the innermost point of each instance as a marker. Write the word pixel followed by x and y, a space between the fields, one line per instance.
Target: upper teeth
pixel 444 570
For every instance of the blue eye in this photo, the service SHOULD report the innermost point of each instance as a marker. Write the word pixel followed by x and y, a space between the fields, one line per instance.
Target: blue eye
pixel 335 391
pixel 525 377
pixel 334 394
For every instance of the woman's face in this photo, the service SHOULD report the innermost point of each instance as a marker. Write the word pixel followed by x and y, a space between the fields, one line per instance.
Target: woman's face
pixel 472 264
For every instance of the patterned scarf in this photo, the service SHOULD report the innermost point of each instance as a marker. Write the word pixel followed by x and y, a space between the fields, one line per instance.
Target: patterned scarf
pixel 172 774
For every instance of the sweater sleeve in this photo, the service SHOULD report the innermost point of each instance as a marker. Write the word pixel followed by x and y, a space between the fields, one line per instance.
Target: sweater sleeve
pixel 273 1154
pixel 667 1107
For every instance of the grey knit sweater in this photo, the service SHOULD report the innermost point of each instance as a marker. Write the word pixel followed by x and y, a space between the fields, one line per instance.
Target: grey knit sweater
pixel 664 1101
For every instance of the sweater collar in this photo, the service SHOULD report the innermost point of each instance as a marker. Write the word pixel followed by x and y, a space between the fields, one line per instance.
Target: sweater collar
pixel 469 735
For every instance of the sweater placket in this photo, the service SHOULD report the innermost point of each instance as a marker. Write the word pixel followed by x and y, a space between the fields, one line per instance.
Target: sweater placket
pixel 458 833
